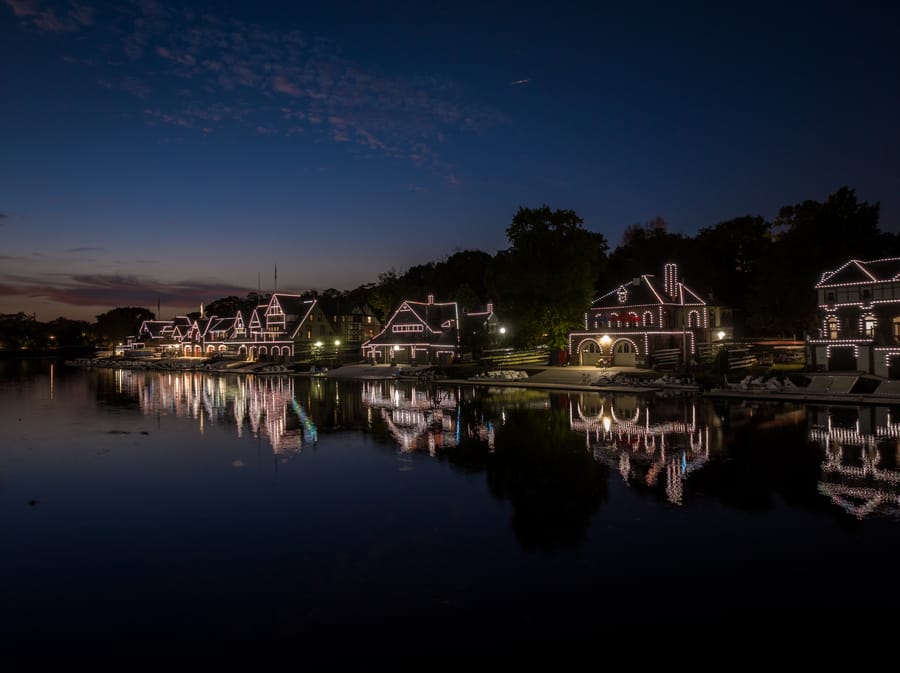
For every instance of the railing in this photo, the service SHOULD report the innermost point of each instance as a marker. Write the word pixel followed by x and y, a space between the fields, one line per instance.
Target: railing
pixel 516 359
pixel 665 358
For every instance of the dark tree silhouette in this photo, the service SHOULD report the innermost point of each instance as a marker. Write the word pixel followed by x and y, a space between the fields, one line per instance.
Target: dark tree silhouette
pixel 120 323
pixel 546 278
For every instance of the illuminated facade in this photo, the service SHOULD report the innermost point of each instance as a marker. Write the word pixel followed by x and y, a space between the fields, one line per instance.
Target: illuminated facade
pixel 645 322
pixel 287 326
pixel 417 333
pixel 859 318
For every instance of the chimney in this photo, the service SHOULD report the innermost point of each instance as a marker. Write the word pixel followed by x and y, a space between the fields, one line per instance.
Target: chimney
pixel 636 281
pixel 670 279
pixel 431 299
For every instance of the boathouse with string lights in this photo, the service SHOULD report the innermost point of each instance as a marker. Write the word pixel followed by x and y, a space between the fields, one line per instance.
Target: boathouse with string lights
pixel 859 318
pixel 417 333
pixel 644 322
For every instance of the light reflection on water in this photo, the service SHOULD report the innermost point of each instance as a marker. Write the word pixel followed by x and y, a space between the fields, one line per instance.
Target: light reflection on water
pixel 507 510
pixel 862 452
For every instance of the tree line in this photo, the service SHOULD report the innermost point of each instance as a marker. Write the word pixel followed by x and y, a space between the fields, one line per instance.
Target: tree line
pixel 764 270
pixel 554 267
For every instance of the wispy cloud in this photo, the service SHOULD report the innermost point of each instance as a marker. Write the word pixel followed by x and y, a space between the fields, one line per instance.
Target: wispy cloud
pixel 85 249
pixel 200 72
pixel 3 218
pixel 111 290
pixel 68 18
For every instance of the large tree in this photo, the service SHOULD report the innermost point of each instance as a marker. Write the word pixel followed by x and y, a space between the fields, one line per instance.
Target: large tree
pixel 732 252
pixel 545 280
pixel 811 237
pixel 645 249
pixel 115 326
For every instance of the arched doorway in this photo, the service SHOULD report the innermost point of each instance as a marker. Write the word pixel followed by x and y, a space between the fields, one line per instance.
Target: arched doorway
pixel 589 352
pixel 624 353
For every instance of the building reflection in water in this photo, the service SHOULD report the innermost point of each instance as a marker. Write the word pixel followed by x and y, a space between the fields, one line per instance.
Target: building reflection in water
pixel 423 418
pixel 265 404
pixel 862 452
pixel 618 431
pixel 640 442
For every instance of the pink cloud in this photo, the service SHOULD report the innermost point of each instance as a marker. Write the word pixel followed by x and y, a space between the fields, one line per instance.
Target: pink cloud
pixel 67 20
pixel 370 140
pixel 22 7
pixel 184 59
pixel 110 290
pixel 282 84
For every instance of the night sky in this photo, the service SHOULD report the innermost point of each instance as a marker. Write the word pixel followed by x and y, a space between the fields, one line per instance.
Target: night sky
pixel 180 152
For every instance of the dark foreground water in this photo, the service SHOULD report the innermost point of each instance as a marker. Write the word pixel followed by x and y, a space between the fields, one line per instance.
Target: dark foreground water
pixel 162 512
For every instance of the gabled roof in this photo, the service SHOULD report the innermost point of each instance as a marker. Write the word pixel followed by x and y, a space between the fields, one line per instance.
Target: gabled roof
pixel 155 329
pixel 433 315
pixel 854 272
pixel 202 325
pixel 293 305
pixel 255 320
pixel 181 326
pixel 221 324
pixel 440 321
pixel 644 293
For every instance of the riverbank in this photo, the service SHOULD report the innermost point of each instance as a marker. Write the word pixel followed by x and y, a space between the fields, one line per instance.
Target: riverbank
pixel 822 389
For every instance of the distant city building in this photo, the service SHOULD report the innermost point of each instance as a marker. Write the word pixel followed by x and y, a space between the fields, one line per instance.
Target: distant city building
pixel 645 321
pixel 859 318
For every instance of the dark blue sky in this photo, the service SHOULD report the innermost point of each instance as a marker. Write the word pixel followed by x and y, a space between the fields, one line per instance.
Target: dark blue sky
pixel 180 151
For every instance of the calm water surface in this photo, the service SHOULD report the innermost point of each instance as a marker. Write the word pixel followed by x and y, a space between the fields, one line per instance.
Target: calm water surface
pixel 178 509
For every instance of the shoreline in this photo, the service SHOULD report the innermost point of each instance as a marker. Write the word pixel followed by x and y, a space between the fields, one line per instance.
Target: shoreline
pixel 569 378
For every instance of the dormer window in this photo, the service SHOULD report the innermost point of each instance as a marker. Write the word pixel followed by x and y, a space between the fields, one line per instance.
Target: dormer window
pixel 829 297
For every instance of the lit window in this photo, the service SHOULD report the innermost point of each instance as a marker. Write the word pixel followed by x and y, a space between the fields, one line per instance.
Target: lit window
pixel 868 325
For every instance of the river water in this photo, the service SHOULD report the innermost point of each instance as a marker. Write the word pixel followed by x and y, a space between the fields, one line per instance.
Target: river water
pixel 187 508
